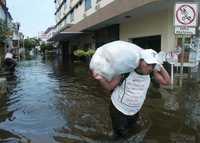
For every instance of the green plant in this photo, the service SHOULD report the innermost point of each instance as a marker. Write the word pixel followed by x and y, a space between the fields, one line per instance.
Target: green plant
pixel 79 53
pixel 30 43
pixel 90 52
pixel 46 46
pixel 43 46
pixel 4 30
pixel 82 53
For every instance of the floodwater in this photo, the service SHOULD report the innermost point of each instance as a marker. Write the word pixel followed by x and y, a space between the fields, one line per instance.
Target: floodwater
pixel 50 101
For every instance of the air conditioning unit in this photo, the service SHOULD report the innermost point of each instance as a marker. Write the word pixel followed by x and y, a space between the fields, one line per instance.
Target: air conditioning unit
pixel 97 6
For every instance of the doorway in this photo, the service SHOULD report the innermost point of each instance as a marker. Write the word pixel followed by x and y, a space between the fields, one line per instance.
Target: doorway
pixel 150 42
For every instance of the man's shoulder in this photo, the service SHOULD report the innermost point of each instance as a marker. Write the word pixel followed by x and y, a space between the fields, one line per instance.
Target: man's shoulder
pixel 135 74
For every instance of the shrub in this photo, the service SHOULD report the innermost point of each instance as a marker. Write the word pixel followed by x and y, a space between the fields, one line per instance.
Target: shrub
pixel 82 53
pixel 4 30
pixel 90 52
pixel 79 53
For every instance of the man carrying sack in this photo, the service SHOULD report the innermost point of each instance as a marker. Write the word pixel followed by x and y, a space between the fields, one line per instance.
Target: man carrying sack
pixel 129 90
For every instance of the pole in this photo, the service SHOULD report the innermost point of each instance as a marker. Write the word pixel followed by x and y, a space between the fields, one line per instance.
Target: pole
pixel 24 51
pixel 18 47
pixel 182 60
pixel 172 76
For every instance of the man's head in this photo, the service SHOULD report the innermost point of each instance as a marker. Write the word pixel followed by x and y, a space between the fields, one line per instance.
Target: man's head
pixel 147 61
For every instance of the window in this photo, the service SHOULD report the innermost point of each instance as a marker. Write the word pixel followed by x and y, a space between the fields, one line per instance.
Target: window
pixel 149 42
pixel 98 1
pixel 88 4
pixel 65 4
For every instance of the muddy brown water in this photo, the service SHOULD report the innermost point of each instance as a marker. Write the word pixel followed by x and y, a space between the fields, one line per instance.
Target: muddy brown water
pixel 51 101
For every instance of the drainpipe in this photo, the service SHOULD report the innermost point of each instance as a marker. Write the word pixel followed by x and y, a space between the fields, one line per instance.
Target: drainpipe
pixel 6 14
pixel 6 24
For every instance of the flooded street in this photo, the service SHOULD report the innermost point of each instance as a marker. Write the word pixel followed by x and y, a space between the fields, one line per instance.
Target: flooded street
pixel 54 102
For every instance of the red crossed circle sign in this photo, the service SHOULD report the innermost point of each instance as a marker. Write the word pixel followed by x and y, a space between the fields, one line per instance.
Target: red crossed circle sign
pixel 185 14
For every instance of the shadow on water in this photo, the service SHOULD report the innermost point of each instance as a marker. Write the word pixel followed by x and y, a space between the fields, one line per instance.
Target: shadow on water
pixel 52 101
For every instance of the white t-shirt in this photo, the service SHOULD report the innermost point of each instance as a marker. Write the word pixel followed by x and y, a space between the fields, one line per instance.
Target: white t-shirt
pixel 8 56
pixel 129 97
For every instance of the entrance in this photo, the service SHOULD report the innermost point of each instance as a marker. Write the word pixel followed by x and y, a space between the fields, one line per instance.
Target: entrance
pixel 107 34
pixel 150 42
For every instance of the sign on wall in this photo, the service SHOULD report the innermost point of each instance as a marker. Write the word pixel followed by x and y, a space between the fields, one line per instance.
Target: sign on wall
pixel 186 14
pixel 185 30
pixel 185 18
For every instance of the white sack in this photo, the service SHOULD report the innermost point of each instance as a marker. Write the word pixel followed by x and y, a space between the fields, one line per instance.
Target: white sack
pixel 115 58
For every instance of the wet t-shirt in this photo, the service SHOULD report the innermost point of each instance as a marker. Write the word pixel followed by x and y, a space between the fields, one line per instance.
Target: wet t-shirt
pixel 129 97
pixel 8 56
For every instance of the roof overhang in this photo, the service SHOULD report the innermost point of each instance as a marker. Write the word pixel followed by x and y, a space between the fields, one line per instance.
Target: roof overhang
pixel 63 36
pixel 113 14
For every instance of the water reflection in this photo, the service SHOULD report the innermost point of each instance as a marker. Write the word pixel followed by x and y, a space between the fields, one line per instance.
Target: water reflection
pixel 83 104
pixel 173 114
pixel 7 112
pixel 191 95
pixel 191 106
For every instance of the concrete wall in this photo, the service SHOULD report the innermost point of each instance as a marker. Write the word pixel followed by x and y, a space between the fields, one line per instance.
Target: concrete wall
pixel 160 23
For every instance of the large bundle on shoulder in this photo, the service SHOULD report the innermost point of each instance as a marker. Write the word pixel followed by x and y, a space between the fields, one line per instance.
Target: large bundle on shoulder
pixel 115 58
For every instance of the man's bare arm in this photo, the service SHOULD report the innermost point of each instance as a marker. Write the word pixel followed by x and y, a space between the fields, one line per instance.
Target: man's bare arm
pixel 109 85
pixel 162 76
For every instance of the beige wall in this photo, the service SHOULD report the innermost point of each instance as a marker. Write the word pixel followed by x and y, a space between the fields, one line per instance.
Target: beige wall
pixel 160 23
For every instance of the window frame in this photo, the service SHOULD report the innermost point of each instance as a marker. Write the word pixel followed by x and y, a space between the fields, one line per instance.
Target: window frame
pixel 88 4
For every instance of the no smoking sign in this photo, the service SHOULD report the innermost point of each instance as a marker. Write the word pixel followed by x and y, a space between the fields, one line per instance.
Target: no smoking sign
pixel 186 14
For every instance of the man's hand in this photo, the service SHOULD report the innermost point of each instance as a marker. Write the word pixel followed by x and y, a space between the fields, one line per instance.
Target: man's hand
pixel 109 85
pixel 157 67
pixel 96 76
pixel 161 75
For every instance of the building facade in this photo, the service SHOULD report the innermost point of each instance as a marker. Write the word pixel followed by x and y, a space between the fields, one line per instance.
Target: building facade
pixel 47 34
pixel 91 23
pixel 10 35
pixel 4 19
pixel 2 9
